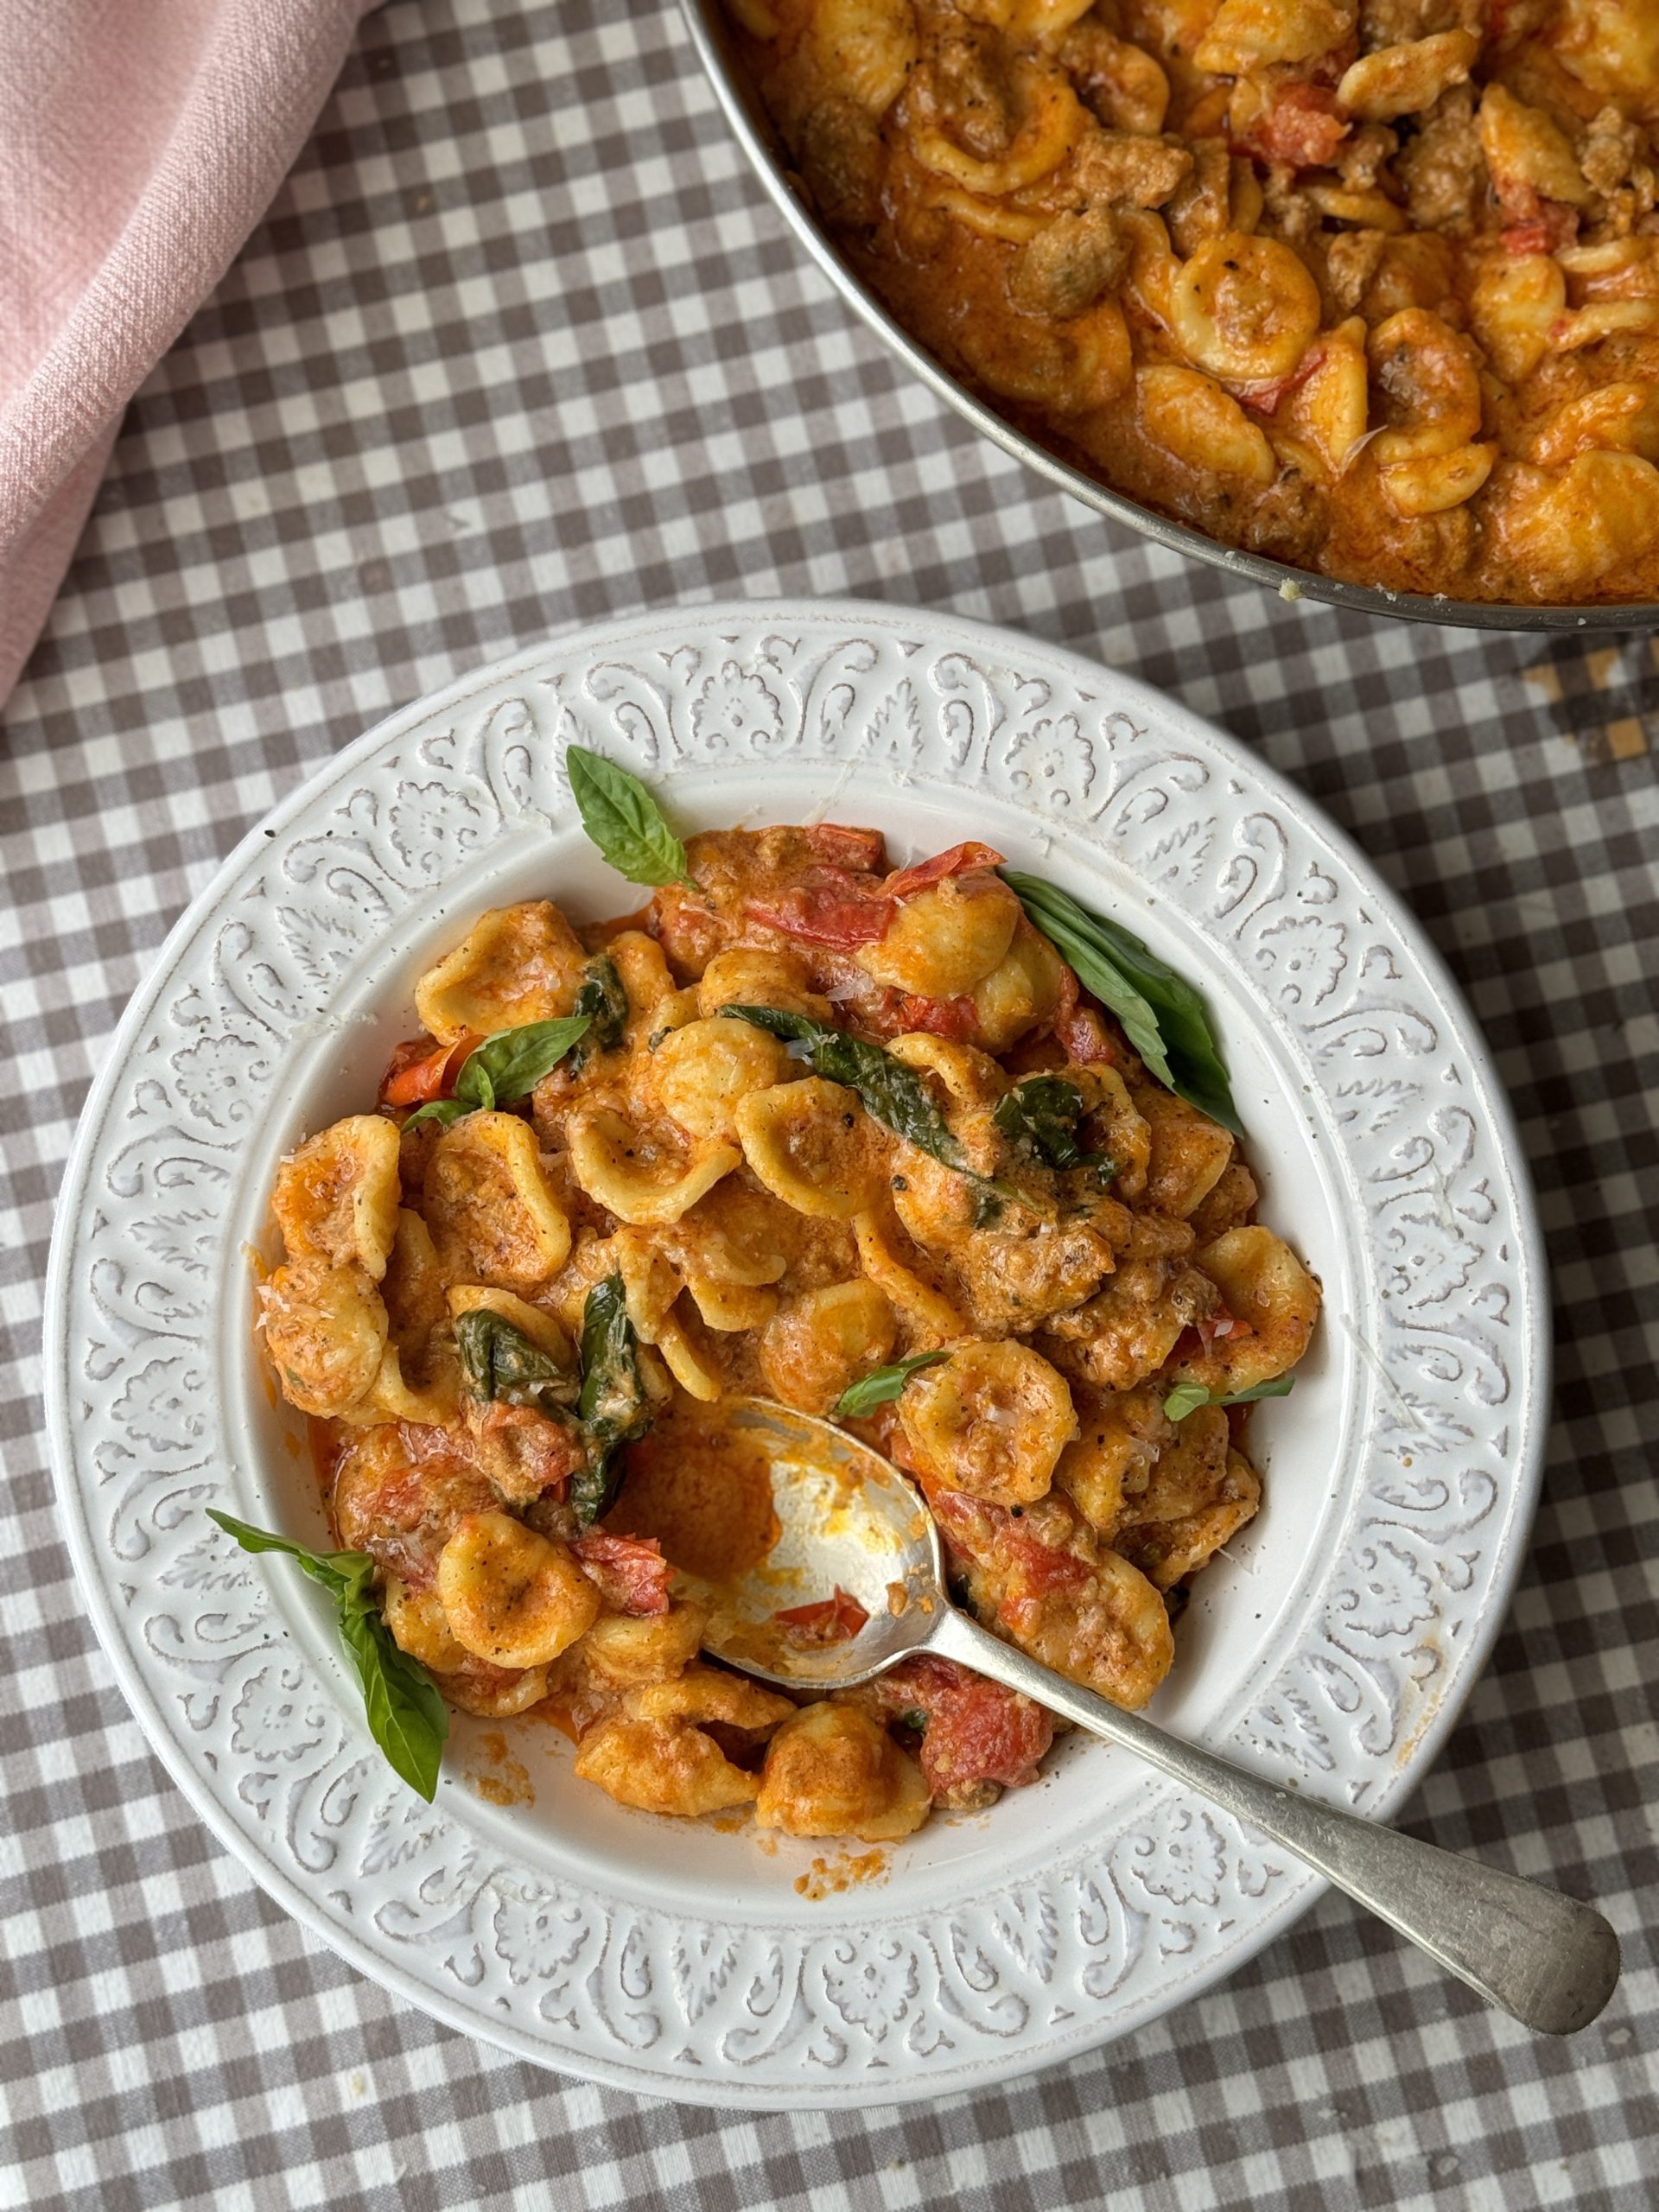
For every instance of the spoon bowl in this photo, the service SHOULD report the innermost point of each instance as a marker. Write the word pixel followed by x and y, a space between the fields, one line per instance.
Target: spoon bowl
pixel 849 1521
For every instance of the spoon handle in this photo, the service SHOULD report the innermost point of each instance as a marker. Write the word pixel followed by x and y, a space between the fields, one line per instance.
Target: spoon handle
pixel 1546 1958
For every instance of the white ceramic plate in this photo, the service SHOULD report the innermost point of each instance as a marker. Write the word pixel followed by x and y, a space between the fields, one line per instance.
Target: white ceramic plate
pixel 1332 1646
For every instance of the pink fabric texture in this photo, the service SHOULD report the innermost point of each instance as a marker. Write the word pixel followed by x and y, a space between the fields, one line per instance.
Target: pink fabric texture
pixel 140 143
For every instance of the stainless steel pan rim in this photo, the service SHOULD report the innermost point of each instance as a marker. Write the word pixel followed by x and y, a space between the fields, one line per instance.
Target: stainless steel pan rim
pixel 754 134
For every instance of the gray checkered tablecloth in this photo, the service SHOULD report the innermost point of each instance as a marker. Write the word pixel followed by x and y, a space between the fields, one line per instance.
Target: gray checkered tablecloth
pixel 521 345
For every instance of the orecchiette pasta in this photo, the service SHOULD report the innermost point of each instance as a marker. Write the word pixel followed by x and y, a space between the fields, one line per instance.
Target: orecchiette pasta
pixel 820 1342
pixel 326 1332
pixel 1243 306
pixel 644 1174
pixel 811 1143
pixel 704 1070
pixel 946 939
pixel 336 1198
pixel 493 1216
pixel 832 1770
pixel 993 1420
pixel 512 1597
pixel 518 965
pixel 996 1247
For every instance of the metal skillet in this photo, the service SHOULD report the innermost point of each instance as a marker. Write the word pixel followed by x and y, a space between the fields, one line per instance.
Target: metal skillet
pixel 849 1519
pixel 754 132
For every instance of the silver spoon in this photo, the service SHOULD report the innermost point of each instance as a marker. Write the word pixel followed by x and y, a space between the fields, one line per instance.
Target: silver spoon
pixel 849 1518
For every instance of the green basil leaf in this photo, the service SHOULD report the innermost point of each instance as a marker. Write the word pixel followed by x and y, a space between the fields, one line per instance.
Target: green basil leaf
pixel 594 1488
pixel 896 1096
pixel 498 1361
pixel 624 820
pixel 1040 1117
pixel 882 1385
pixel 475 1085
pixel 344 1575
pixel 1186 1398
pixel 508 1066
pixel 793 1029
pixel 407 1717
pixel 1163 1016
pixel 614 1406
pixel 603 1000
pixel 443 1110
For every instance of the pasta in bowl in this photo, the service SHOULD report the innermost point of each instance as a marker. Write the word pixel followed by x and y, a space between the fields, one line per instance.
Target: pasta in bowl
pixel 931 1150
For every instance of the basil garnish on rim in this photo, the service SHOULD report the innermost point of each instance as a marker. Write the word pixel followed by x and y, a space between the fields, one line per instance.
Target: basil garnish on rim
pixel 505 1068
pixel 881 1385
pixel 1186 1398
pixel 1039 1118
pixel 624 820
pixel 407 1718
pixel 1163 1016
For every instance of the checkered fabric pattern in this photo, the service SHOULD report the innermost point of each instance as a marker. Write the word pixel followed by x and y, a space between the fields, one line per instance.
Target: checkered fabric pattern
pixel 521 345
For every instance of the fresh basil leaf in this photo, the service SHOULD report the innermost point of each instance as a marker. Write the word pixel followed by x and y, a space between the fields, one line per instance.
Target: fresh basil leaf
pixel 603 999
pixel 508 1066
pixel 1186 1398
pixel 624 820
pixel 1163 1016
pixel 498 1361
pixel 1067 927
pixel 793 1029
pixel 443 1110
pixel 344 1575
pixel 407 1717
pixel 594 1488
pixel 1040 1117
pixel 881 1385
pixel 896 1096
pixel 614 1406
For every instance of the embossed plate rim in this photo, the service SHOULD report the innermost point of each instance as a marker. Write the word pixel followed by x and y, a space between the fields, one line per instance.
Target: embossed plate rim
pixel 1004 651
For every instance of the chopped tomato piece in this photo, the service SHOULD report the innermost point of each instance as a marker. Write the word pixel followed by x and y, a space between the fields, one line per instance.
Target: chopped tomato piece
pixel 1217 1325
pixel 831 907
pixel 828 1620
pixel 631 1572
pixel 1545 227
pixel 952 1018
pixel 1085 1035
pixel 960 858
pixel 974 1731
pixel 861 850
pixel 1301 127
pixel 1265 394
pixel 419 1071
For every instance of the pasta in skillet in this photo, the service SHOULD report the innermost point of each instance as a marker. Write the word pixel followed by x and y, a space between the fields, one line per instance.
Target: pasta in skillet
pixel 805 1123
pixel 1371 286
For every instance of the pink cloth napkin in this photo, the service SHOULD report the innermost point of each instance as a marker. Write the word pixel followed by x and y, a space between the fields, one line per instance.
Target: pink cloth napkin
pixel 140 143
